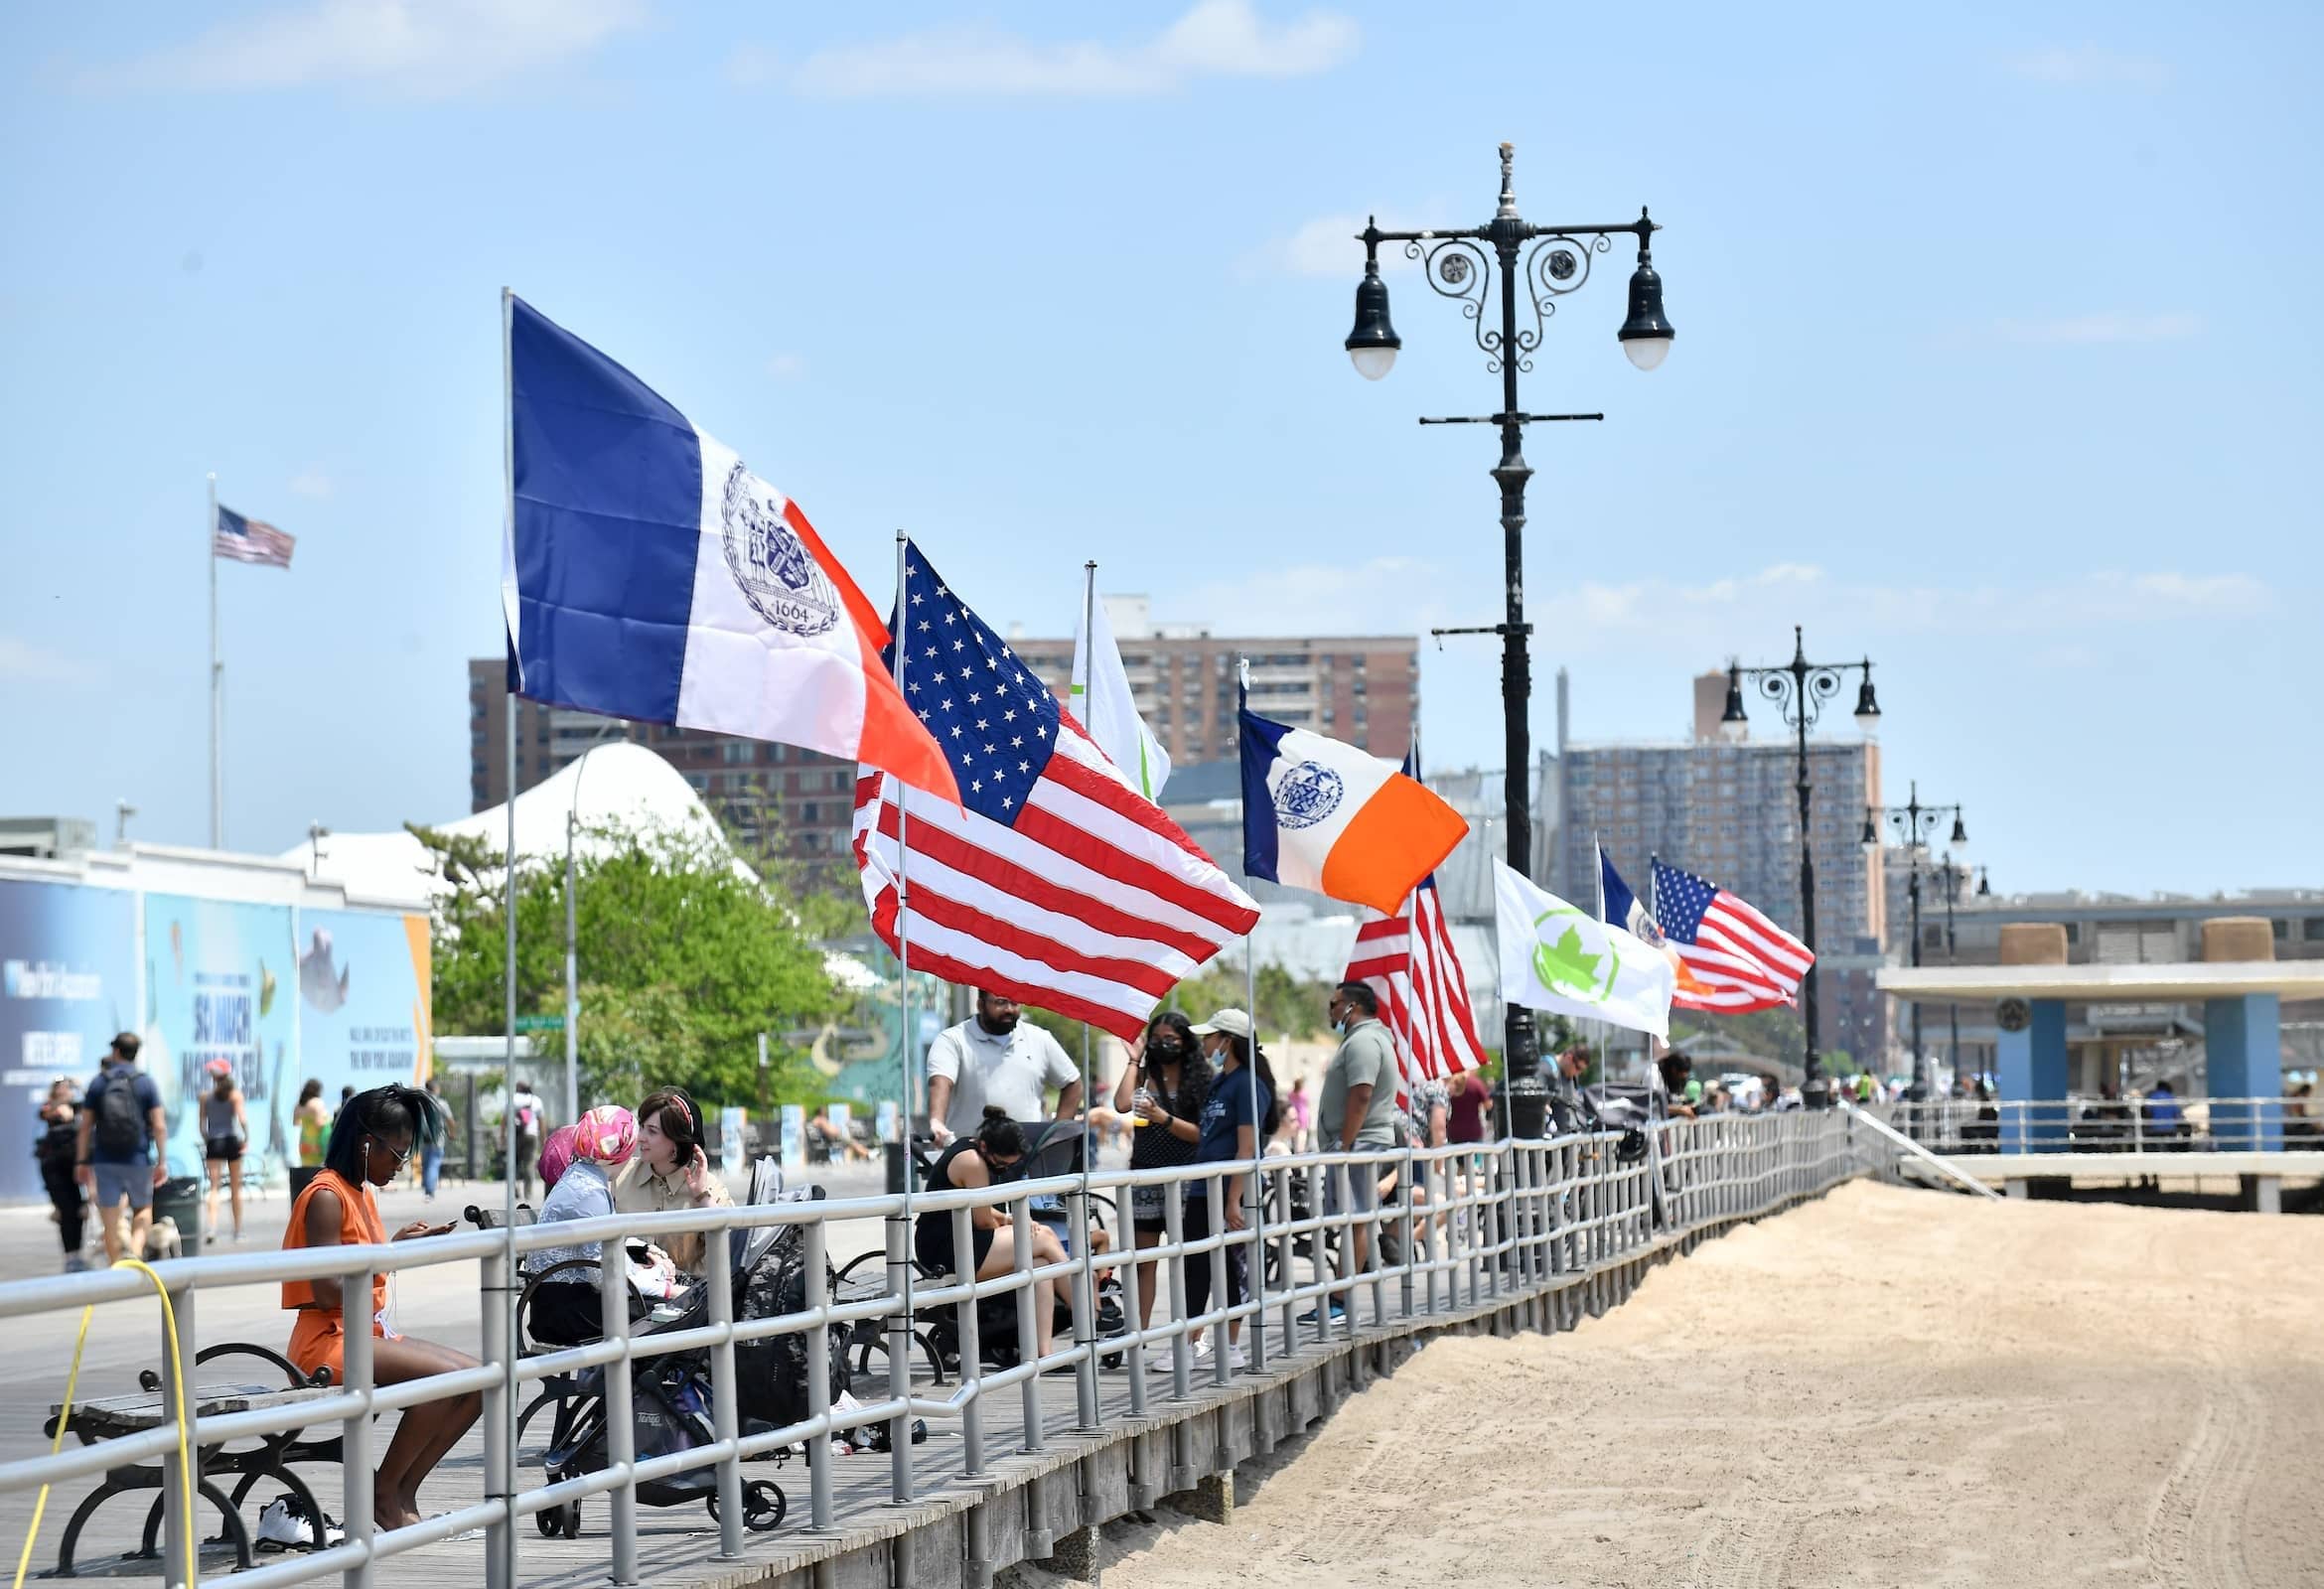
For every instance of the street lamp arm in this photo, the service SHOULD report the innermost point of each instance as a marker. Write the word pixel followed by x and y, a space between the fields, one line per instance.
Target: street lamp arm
pixel 1525 231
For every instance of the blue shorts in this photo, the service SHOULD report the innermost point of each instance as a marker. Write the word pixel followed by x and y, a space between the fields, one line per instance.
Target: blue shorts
pixel 116 1180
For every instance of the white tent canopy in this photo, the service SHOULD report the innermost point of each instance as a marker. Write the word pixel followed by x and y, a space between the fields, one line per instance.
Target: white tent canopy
pixel 618 786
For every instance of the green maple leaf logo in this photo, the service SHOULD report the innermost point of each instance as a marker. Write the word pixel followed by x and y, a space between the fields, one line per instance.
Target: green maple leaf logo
pixel 1567 966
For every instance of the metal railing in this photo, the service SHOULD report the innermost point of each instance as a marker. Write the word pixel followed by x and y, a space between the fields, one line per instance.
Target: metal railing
pixel 2110 1125
pixel 1490 1223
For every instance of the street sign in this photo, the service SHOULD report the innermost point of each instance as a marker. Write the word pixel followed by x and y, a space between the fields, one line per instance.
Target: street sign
pixel 540 1023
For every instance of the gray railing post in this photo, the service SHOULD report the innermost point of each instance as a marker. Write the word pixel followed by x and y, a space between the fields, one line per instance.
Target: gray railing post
pixel 1136 1353
pixel 499 1417
pixel 898 1329
pixel 179 1526
pixel 964 1324
pixel 725 1417
pixel 355 1434
pixel 621 1421
pixel 1173 1237
pixel 1084 1304
pixel 1287 1255
pixel 1215 1191
pixel 1028 1337
pixel 819 1386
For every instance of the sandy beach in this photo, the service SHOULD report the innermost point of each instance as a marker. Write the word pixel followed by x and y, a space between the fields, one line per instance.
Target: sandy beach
pixel 1884 1388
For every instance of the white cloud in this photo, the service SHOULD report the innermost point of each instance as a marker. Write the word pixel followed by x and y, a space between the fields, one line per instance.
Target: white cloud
pixel 2101 328
pixel 428 49
pixel 2087 65
pixel 1217 38
pixel 23 663
pixel 787 366
pixel 312 481
pixel 752 66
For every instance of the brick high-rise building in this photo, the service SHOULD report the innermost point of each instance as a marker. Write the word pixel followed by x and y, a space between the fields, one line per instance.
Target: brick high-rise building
pixel 1361 688
pixel 795 802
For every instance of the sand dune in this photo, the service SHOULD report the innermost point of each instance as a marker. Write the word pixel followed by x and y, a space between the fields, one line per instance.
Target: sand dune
pixel 1885 1387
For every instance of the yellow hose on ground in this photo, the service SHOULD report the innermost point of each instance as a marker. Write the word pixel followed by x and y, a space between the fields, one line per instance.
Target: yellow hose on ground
pixel 184 1425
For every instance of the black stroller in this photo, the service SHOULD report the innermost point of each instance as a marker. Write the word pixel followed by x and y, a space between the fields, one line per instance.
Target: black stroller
pixel 671 1393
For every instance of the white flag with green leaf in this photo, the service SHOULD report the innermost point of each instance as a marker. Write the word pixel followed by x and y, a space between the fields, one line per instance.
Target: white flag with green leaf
pixel 1105 708
pixel 1558 956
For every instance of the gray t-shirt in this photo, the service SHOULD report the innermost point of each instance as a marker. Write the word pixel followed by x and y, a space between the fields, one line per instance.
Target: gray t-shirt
pixel 1015 1071
pixel 1367 1056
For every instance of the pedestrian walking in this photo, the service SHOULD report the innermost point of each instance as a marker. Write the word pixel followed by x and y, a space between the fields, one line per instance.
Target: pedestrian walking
pixel 122 1152
pixel 55 1148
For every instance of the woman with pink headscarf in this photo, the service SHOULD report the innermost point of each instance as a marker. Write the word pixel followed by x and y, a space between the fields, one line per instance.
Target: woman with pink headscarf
pixel 566 1309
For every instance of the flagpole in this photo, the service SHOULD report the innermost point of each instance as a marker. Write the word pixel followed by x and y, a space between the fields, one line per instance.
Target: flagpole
pixel 505 1557
pixel 900 1234
pixel 1085 1308
pixel 216 686
pixel 1256 1266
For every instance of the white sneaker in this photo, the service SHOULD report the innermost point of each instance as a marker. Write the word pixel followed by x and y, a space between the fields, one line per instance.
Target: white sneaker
pixel 283 1525
pixel 1235 1360
pixel 1157 1359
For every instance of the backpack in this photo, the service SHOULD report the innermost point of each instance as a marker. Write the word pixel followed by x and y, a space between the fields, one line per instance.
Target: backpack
pixel 528 1120
pixel 120 1123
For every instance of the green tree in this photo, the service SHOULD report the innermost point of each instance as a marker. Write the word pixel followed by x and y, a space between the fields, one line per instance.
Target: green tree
pixel 687 958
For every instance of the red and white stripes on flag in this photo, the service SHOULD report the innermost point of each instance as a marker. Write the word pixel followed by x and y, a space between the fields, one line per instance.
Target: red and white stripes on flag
pixel 1731 955
pixel 250 540
pixel 1091 903
pixel 1408 960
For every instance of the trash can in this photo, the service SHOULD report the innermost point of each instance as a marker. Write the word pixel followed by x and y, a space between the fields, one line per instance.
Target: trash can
pixel 179 1200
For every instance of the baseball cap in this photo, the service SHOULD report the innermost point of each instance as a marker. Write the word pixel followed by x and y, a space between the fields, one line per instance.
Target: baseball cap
pixel 1234 1023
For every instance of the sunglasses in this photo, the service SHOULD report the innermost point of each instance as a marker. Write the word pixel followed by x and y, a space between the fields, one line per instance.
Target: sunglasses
pixel 402 1158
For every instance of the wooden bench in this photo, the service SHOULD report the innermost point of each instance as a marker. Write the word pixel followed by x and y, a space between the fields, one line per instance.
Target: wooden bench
pixel 108 1417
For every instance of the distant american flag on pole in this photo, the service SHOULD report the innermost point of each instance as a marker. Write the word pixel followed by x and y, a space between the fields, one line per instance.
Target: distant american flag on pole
pixel 1726 943
pixel 1408 960
pixel 1059 884
pixel 250 540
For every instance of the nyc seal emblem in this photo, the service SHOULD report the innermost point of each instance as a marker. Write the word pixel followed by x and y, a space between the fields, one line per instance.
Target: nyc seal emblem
pixel 774 571
pixel 1308 794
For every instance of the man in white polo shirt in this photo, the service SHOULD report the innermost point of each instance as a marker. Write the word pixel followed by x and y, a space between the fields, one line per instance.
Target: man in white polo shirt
pixel 996 1058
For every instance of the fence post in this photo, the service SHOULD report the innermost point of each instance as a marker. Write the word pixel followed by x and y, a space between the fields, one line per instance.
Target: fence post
pixel 964 1324
pixel 500 1419
pixel 178 1523
pixel 1173 1235
pixel 1085 1306
pixel 898 1329
pixel 1134 1354
pixel 819 1388
pixel 1288 1252
pixel 621 1422
pixel 725 1418
pixel 1028 1337
pixel 1215 1197
pixel 355 1464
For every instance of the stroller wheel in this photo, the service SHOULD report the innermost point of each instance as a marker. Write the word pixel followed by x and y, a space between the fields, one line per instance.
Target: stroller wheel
pixel 764 1506
pixel 562 1520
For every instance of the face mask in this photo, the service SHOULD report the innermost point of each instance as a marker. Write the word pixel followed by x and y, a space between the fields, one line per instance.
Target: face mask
pixel 1341 1025
pixel 1167 1050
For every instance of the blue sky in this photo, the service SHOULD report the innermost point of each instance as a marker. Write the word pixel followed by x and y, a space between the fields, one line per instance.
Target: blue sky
pixel 1997 359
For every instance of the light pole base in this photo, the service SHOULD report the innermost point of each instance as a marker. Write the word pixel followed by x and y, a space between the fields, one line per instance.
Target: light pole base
pixel 1528 1107
pixel 1815 1092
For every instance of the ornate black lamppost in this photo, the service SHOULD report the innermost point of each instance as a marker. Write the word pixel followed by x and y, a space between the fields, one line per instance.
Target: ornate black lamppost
pixel 1953 876
pixel 1914 824
pixel 1460 265
pixel 1800 688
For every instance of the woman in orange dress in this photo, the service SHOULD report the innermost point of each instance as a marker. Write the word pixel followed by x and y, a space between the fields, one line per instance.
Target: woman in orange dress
pixel 372 1140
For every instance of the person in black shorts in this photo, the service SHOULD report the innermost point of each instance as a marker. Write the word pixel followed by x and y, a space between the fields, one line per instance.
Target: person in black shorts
pixel 1164 1088
pixel 997 1148
pixel 226 1127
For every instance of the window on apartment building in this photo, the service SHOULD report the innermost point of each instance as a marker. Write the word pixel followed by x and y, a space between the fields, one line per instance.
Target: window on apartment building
pixel 736 752
pixel 2312 929
pixel 2283 928
pixel 811 813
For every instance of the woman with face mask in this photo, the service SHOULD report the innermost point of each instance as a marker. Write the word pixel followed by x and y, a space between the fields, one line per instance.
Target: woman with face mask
pixel 1238 1115
pixel 1163 1089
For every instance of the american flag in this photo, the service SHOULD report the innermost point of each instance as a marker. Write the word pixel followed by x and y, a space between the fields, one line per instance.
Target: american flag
pixel 1408 960
pixel 1726 944
pixel 250 540
pixel 1059 884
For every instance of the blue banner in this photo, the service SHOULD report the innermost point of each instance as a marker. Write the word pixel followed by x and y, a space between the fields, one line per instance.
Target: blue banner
pixel 220 986
pixel 68 983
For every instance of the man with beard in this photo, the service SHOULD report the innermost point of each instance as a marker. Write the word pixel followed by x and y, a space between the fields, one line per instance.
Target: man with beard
pixel 996 1059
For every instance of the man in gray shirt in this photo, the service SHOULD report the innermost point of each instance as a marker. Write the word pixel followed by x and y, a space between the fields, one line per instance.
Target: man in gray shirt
pixel 1356 1110
pixel 995 1057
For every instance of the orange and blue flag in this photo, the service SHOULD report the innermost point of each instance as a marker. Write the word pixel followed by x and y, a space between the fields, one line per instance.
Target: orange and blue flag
pixel 1326 816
